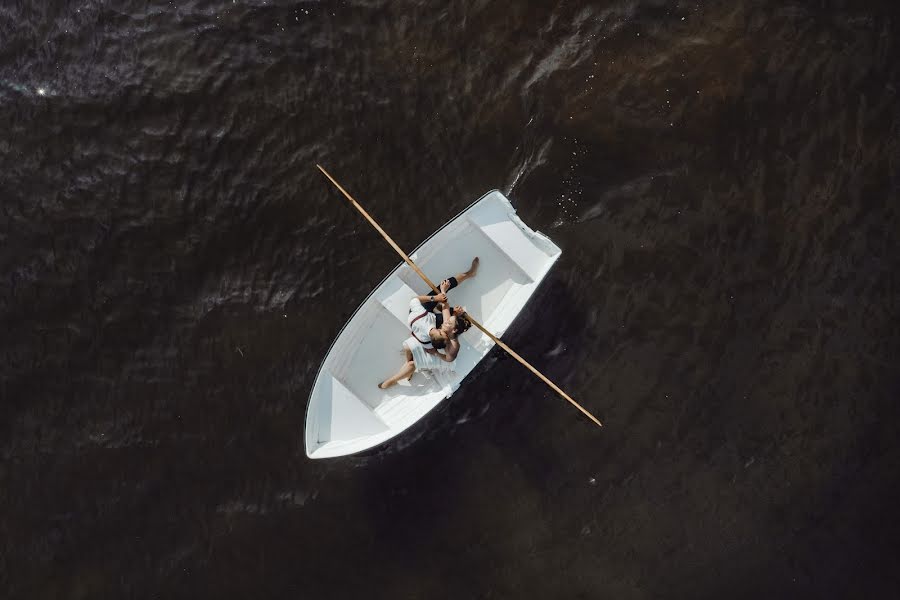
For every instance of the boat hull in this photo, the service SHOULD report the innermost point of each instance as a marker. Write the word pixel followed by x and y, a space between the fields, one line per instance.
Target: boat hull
pixel 347 413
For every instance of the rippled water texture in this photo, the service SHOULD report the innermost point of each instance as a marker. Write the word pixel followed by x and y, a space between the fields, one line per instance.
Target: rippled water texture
pixel 722 177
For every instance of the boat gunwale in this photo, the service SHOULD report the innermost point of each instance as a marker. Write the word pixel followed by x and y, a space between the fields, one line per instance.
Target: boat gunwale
pixel 372 293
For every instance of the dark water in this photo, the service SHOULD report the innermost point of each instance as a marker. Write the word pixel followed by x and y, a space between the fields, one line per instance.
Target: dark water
pixel 722 177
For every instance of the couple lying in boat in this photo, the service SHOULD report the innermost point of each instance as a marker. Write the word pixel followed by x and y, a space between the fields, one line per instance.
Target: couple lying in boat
pixel 434 327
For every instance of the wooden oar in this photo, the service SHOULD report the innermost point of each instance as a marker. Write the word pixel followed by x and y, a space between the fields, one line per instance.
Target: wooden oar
pixel 436 291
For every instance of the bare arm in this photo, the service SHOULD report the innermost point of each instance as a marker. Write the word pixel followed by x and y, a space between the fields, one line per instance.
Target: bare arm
pixel 441 355
pixel 432 298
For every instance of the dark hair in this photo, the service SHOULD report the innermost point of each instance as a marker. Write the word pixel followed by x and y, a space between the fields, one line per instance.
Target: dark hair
pixel 462 324
pixel 439 344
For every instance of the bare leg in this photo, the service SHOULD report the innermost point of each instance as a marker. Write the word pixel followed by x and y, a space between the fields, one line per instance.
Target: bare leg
pixel 473 270
pixel 409 358
pixel 405 371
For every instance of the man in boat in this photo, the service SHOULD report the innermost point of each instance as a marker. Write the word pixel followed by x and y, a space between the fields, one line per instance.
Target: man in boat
pixel 434 326
pixel 457 314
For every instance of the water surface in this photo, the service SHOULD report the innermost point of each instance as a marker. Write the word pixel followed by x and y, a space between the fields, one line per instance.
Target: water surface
pixel 722 178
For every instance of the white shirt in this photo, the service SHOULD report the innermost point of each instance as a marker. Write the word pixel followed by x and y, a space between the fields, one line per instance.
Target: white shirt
pixel 421 328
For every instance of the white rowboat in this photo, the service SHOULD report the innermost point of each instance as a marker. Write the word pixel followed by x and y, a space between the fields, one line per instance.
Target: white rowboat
pixel 347 413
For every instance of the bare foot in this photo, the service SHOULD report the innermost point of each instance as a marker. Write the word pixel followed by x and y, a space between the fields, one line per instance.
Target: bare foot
pixel 381 386
pixel 473 269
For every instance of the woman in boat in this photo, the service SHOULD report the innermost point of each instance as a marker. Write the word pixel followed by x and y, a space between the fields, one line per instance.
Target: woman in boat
pixel 433 330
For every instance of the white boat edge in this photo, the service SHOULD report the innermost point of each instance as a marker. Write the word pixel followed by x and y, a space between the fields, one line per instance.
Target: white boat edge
pixel 343 408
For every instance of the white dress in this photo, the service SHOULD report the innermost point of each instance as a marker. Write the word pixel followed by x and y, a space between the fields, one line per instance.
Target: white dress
pixel 420 328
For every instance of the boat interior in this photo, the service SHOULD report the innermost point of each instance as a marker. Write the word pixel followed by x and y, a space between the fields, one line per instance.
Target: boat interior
pixel 347 411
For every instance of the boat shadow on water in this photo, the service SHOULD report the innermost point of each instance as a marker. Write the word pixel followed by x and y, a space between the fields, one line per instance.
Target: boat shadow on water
pixel 501 410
